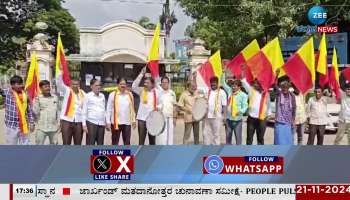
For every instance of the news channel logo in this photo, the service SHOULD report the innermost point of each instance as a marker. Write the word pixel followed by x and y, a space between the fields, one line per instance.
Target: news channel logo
pixel 214 164
pixel 111 164
pixel 317 15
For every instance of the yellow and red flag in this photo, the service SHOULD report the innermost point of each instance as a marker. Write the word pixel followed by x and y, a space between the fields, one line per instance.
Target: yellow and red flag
pixel 322 68
pixel 153 56
pixel 264 64
pixel 334 76
pixel 300 67
pixel 61 63
pixel 211 68
pixel 33 78
pixel 235 65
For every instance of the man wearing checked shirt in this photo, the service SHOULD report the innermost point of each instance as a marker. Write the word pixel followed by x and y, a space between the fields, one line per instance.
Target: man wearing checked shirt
pixel 14 134
pixel 237 105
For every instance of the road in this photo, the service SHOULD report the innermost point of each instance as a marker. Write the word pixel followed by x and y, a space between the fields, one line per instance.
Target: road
pixel 328 140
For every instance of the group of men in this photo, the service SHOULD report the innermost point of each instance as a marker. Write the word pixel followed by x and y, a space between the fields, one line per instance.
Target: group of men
pixel 227 103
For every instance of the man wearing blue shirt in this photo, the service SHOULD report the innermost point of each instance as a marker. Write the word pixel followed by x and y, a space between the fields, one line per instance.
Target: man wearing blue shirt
pixel 237 105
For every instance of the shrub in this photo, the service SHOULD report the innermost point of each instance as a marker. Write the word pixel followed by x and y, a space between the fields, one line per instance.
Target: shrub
pixel 178 88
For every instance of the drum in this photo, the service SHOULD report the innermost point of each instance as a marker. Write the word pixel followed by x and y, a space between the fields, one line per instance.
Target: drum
pixel 155 123
pixel 199 109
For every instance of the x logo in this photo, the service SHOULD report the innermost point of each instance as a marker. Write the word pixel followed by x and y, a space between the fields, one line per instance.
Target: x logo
pixel 123 164
pixel 102 164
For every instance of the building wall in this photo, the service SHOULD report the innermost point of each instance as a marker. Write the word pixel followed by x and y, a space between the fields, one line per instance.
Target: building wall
pixel 339 40
pixel 118 38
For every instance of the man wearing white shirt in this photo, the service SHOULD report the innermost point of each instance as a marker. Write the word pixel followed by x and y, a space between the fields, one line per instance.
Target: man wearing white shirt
pixel 258 110
pixel 120 113
pixel 149 101
pixel 217 101
pixel 94 114
pixel 167 101
pixel 71 111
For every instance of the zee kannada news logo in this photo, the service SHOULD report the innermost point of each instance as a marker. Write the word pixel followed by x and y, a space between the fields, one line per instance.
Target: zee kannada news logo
pixel 111 164
pixel 317 15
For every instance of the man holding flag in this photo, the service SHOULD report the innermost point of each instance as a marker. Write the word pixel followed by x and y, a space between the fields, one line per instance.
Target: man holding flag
pixel 344 117
pixel 73 100
pixel 149 94
pixel 19 119
pixel 258 110
pixel 149 101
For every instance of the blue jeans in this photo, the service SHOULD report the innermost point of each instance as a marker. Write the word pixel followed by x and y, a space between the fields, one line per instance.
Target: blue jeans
pixel 234 126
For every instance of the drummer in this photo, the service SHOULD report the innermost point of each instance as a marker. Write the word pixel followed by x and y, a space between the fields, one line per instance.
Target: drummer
pixel 217 101
pixel 149 101
pixel 167 106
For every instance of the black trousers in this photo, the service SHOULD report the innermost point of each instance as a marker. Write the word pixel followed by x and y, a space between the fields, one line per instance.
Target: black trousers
pixel 143 132
pixel 71 130
pixel 316 130
pixel 96 134
pixel 258 126
pixel 125 130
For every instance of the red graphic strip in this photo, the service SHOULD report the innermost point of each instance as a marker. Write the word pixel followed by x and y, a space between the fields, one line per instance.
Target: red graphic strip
pixel 11 191
pixel 324 192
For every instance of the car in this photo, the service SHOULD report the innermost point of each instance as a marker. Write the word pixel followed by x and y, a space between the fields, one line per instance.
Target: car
pixel 333 110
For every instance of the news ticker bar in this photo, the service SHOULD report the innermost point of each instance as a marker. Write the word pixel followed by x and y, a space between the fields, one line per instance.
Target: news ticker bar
pixel 173 191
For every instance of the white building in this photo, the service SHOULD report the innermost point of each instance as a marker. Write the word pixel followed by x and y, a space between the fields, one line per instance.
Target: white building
pixel 118 49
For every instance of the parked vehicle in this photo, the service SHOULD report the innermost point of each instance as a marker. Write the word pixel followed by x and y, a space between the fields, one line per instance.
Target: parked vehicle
pixel 333 117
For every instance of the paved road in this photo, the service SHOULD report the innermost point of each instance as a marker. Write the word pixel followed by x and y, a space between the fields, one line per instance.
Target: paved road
pixel 328 140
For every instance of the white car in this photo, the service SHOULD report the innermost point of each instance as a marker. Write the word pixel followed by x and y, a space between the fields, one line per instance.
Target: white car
pixel 333 117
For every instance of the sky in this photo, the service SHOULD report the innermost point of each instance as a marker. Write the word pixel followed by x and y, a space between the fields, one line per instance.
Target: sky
pixel 96 13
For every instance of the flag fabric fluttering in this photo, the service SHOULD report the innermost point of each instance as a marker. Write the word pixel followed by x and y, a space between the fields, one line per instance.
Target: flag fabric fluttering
pixel 321 66
pixel 209 69
pixel 235 65
pixel 300 67
pixel 33 79
pixel 264 64
pixel 153 56
pixel 334 76
pixel 61 63
pixel 346 74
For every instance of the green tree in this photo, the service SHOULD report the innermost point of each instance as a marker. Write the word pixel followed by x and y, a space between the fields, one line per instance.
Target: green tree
pixel 146 23
pixel 230 25
pixel 57 21
pixel 17 25
pixel 13 13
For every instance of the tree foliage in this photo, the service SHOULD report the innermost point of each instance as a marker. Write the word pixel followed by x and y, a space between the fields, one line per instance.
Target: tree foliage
pixel 230 25
pixel 146 23
pixel 17 25
pixel 12 15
